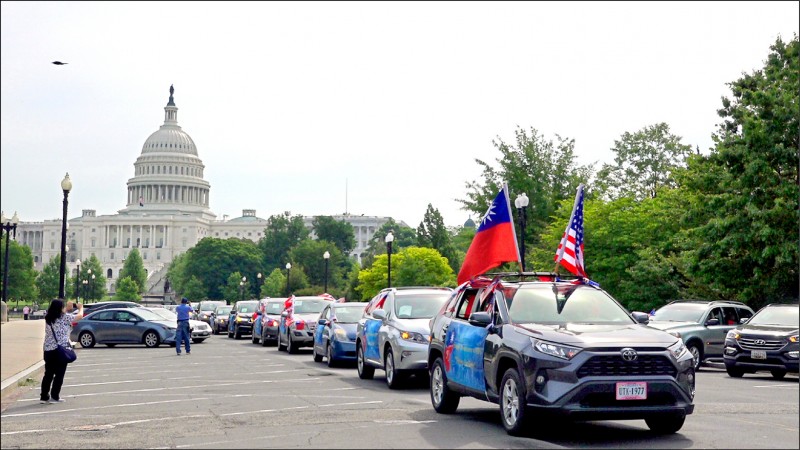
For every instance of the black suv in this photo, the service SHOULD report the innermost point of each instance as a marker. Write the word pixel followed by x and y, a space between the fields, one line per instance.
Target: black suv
pixel 768 341
pixel 565 348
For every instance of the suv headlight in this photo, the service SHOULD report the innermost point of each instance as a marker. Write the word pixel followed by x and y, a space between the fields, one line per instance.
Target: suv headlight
pixel 734 334
pixel 413 337
pixel 793 338
pixel 558 350
pixel 677 349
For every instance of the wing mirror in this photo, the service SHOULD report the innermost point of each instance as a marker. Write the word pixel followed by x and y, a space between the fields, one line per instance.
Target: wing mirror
pixel 379 314
pixel 322 322
pixel 641 317
pixel 744 320
pixel 480 319
pixel 710 322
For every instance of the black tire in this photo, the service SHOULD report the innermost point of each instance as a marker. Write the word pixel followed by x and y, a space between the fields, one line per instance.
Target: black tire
pixel 263 338
pixel 237 334
pixel 394 377
pixel 255 338
pixel 197 341
pixel 513 406
pixel 281 347
pixel 317 356
pixel 292 349
pixel 778 374
pixel 111 345
pixel 151 339
pixel 734 372
pixel 214 330
pixel 230 333
pixel 329 355
pixel 443 399
pixel 697 353
pixel 665 424
pixel 87 339
pixel 365 371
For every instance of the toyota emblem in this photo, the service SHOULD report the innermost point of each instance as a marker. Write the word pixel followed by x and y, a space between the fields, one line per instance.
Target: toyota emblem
pixel 759 342
pixel 629 354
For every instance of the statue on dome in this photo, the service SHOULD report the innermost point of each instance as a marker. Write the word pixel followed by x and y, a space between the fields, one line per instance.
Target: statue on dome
pixel 171 90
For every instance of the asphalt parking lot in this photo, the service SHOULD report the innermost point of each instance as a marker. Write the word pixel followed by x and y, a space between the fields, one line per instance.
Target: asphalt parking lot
pixel 233 394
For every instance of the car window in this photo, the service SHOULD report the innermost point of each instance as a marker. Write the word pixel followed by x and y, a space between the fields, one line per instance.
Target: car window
pixel 103 315
pixel 274 307
pixel 223 310
pixel 744 313
pixel 580 304
pixel 207 307
pixel 680 312
pixel 164 313
pixel 715 313
pixel 247 308
pixel 466 305
pixel 325 314
pixel 309 306
pixel 124 316
pixel 376 303
pixel 347 314
pixel 419 306
pixel 147 315
pixel 730 316
pixel 777 315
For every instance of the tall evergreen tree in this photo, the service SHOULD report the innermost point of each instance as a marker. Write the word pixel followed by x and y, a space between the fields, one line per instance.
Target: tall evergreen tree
pixel 134 268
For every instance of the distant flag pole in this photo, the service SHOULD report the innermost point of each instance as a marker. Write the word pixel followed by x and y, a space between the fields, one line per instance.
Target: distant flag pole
pixel 570 250
pixel 494 243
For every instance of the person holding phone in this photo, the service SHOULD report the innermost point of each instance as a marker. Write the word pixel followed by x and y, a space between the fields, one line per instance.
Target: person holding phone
pixel 57 327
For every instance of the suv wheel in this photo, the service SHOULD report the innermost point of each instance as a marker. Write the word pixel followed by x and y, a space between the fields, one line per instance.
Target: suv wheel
pixel 697 354
pixel 778 374
pixel 394 377
pixel 512 403
pixel 365 371
pixel 444 401
pixel 666 423
pixel 317 356
pixel 734 372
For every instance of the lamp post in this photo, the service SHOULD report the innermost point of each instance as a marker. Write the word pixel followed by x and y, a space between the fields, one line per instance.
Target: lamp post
pixel 78 281
pixel 244 281
pixel 91 286
pixel 326 256
pixel 66 186
pixel 85 289
pixel 258 285
pixel 389 239
pixel 288 271
pixel 521 202
pixel 9 226
pixel 241 290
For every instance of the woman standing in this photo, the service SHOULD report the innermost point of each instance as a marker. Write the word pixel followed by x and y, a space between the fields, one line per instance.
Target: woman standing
pixel 57 327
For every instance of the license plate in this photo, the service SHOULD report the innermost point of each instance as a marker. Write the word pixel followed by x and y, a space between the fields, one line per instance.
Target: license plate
pixel 758 354
pixel 632 391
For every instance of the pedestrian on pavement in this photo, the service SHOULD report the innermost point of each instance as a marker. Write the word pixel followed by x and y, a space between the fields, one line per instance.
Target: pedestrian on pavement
pixel 183 310
pixel 58 325
pixel 25 311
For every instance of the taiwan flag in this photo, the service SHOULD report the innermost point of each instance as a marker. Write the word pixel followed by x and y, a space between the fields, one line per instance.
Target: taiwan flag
pixel 495 242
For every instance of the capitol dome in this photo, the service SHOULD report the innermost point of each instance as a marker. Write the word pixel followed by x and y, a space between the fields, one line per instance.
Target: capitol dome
pixel 168 176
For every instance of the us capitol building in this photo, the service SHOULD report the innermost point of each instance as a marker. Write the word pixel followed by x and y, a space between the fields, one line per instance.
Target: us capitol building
pixel 166 214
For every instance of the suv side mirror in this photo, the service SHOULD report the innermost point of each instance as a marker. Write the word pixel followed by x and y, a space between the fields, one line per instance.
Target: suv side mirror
pixel 480 319
pixel 379 314
pixel 744 320
pixel 710 322
pixel 641 317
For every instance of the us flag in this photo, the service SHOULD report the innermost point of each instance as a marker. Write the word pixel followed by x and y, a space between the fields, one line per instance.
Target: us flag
pixel 570 250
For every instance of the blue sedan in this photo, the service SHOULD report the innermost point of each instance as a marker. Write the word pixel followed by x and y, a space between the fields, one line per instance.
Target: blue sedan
pixel 124 326
pixel 335 336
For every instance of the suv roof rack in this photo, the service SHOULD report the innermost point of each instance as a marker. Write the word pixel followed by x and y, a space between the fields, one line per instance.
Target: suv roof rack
pixel 553 275
pixel 403 288
pixel 710 302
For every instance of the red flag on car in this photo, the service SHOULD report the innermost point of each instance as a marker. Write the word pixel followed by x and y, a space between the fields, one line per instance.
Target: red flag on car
pixel 495 242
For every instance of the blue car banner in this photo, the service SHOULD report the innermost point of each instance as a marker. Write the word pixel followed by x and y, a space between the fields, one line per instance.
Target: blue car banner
pixel 371 350
pixel 463 355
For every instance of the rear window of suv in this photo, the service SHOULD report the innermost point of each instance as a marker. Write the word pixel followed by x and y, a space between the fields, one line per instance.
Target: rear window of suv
pixel 680 312
pixel 580 304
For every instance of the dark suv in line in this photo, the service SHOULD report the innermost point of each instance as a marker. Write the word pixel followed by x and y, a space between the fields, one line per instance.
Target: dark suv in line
pixel 768 341
pixel 556 348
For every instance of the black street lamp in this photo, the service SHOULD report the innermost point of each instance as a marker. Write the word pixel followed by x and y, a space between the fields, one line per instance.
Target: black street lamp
pixel 85 289
pixel 78 281
pixel 288 271
pixel 244 281
pixel 521 203
pixel 9 226
pixel 241 290
pixel 91 285
pixel 258 285
pixel 389 239
pixel 326 256
pixel 66 186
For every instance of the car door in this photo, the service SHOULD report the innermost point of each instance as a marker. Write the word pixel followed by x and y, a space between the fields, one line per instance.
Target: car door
pixel 464 345
pixel 100 325
pixel 371 330
pixel 322 332
pixel 715 339
pixel 125 329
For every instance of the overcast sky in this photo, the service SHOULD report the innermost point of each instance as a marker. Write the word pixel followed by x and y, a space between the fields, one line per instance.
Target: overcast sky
pixel 287 101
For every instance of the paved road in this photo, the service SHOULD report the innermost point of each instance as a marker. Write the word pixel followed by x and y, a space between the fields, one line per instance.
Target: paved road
pixel 232 394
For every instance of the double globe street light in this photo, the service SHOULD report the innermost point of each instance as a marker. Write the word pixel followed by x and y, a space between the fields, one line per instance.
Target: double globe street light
pixel 521 202
pixel 9 226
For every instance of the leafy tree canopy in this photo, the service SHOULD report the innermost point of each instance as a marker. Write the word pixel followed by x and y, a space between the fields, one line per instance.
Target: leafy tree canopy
pixel 128 290
pixel 21 274
pixel 412 266
pixel 133 267
pixel 339 233
pixel 281 234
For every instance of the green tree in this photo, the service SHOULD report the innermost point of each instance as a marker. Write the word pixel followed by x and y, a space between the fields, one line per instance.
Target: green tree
pixel 232 292
pixel 47 279
pixel 21 274
pixel 749 187
pixel 412 266
pixel 212 258
pixel 339 233
pixel 298 279
pixel 194 289
pixel 128 290
pixel 281 234
pixel 433 234
pixel 274 285
pixel 645 162
pixel 133 267
pixel 95 289
pixel 176 274
pixel 308 255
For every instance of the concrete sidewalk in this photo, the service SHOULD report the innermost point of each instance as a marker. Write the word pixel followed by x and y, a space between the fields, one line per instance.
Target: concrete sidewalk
pixel 21 350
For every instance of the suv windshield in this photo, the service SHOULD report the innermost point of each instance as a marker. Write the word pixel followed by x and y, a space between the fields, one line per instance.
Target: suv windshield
pixel 581 304
pixel 419 306
pixel 777 315
pixel 680 312
pixel 208 306
pixel 146 314
pixel 274 307
pixel 349 314
pixel 164 313
pixel 223 309
pixel 246 307
pixel 309 306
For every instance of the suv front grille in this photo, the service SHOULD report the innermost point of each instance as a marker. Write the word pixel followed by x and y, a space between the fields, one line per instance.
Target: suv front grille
pixel 614 365
pixel 749 343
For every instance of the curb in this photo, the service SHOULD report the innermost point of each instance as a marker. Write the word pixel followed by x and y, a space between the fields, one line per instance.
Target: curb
pixel 12 381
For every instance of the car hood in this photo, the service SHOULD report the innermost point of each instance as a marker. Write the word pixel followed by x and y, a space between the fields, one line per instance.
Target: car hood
pixel 165 322
pixel 350 328
pixel 669 325
pixel 767 330
pixel 583 335
pixel 421 326
pixel 196 323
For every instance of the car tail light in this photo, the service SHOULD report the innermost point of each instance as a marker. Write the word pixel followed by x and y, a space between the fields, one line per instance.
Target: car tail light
pixel 74 323
pixel 272 323
pixel 299 325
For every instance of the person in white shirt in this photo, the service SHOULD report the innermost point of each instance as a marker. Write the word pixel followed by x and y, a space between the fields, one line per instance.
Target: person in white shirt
pixel 58 325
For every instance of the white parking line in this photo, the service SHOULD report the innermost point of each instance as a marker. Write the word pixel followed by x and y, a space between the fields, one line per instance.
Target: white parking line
pixel 102 382
pixel 300 407
pixel 128 422
pixel 793 386
pixel 98 407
